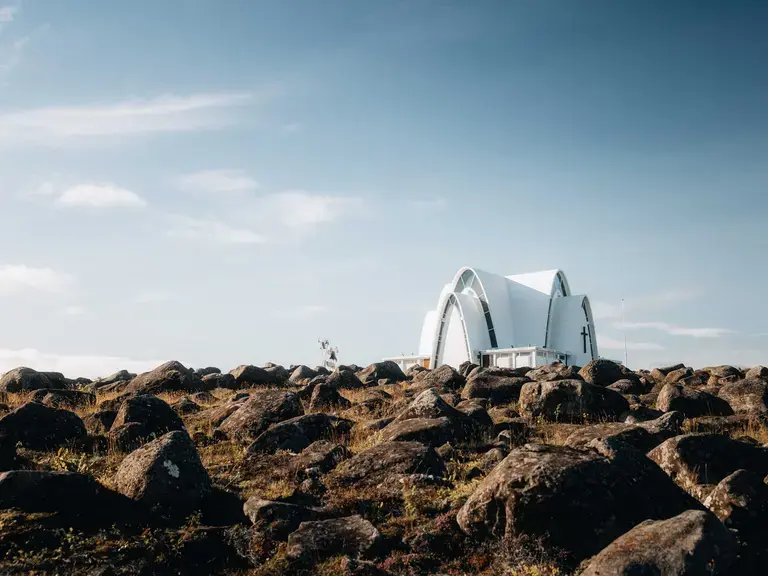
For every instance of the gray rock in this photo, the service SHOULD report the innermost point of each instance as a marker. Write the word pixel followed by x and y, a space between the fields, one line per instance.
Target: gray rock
pixel 259 412
pixel 692 403
pixel 693 542
pixel 570 401
pixel 316 541
pixel 40 427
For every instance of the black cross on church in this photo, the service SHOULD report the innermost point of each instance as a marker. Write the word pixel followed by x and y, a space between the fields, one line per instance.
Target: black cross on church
pixel 584 335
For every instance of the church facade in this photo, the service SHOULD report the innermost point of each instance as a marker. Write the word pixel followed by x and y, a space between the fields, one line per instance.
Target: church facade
pixel 511 321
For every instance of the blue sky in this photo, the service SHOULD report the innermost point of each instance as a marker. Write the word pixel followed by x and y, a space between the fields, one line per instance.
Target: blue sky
pixel 225 182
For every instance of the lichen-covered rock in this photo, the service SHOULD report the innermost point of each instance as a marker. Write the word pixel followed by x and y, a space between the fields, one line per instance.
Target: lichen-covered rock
pixel 630 434
pixel 551 372
pixel 150 415
pixel 316 541
pixel 708 458
pixel 69 399
pixel 165 476
pixel 259 412
pixel 216 380
pixel 172 376
pixel 757 372
pixel 345 380
pixel 186 406
pixel 25 379
pixel 444 379
pixel 498 385
pixel 627 386
pixel 301 373
pixel 297 433
pixel 385 462
pixel 577 500
pixel 77 499
pixel 326 398
pixel 39 427
pixel 248 376
pixel 386 370
pixel 748 396
pixel 570 401
pixel 602 372
pixel 693 542
pixel 321 455
pixel 99 422
pixel 691 403
pixel 276 520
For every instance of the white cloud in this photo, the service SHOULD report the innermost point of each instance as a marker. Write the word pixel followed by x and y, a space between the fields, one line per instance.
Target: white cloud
pixel 102 195
pixel 17 279
pixel 73 311
pixel 217 181
pixel 632 305
pixel 62 124
pixel 677 330
pixel 298 209
pixel 607 343
pixel 89 366
pixel 7 13
pixel 213 231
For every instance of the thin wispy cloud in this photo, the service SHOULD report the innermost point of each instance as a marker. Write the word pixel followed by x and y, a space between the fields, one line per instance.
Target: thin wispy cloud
pixel 217 182
pixel 427 204
pixel 638 304
pixel 103 195
pixel 59 125
pixel 8 13
pixel 301 210
pixel 677 330
pixel 18 279
pixel 608 343
pixel 213 231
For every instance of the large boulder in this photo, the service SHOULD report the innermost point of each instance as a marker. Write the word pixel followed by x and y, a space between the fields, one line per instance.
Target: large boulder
pixel 692 403
pixel 78 500
pixel 571 401
pixel 297 433
pixel 708 458
pixel 344 380
pixel 602 372
pixel 39 427
pixel 551 372
pixel 301 373
pixel 276 520
pixel 172 376
pixel 248 376
pixel 694 542
pixel 757 372
pixel 326 398
pixel 635 436
pixel 217 380
pixel 628 386
pixel 431 420
pixel 316 541
pixel 165 476
pixel 740 501
pixel 25 379
pixel 259 412
pixel 322 456
pixel 120 376
pixel 444 378
pixel 498 385
pixel 384 463
pixel 278 373
pixel 150 417
pixel 576 500
pixel 70 399
pixel 748 396
pixel 386 370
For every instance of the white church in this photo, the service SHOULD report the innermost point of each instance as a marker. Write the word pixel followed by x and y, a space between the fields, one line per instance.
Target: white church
pixel 512 321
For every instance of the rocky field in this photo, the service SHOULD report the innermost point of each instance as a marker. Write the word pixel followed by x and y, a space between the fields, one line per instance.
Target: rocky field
pixel 369 471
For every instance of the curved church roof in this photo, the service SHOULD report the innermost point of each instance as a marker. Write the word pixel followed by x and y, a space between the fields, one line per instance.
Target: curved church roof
pixel 480 311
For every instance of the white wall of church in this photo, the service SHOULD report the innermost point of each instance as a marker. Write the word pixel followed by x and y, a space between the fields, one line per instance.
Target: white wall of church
pixel 454 344
pixel 566 324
